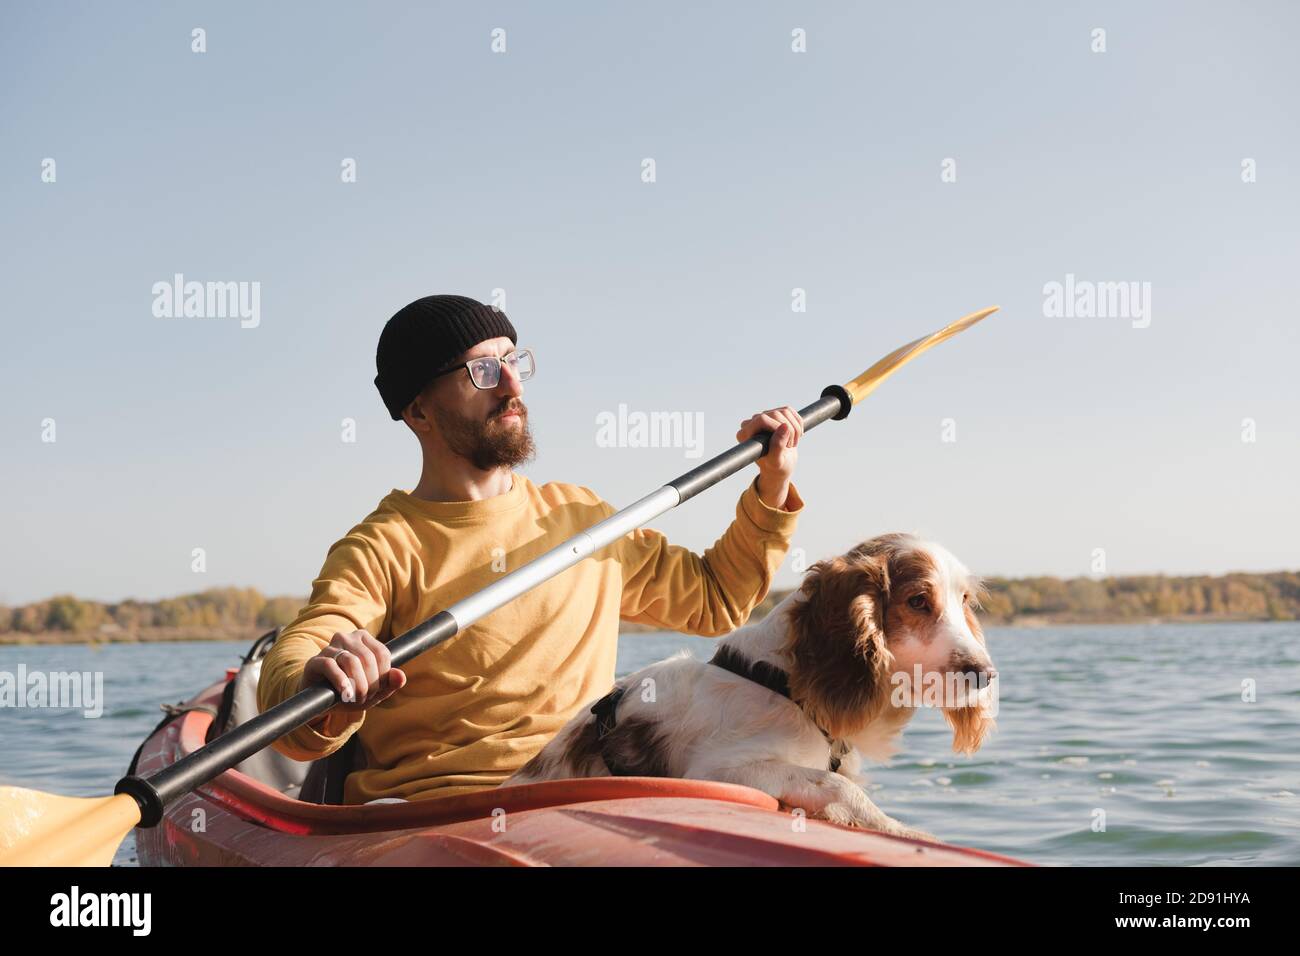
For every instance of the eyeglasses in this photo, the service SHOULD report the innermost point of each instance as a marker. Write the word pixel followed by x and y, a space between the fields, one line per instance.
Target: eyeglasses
pixel 485 371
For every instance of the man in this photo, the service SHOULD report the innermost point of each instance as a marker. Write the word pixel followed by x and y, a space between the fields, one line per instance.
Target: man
pixel 477 708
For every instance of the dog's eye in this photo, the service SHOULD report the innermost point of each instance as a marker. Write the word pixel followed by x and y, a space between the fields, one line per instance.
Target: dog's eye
pixel 918 603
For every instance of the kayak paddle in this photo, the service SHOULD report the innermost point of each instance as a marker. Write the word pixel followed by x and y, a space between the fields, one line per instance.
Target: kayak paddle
pixel 42 829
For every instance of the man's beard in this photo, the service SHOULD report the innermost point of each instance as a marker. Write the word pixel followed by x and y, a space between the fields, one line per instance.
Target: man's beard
pixel 488 444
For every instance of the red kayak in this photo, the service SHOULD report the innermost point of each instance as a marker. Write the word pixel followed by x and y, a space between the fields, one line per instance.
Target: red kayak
pixel 601 821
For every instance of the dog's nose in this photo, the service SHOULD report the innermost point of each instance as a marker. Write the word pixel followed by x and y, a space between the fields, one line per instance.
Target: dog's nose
pixel 980 675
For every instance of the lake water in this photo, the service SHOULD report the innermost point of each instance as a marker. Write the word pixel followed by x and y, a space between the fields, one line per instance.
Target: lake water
pixel 1146 724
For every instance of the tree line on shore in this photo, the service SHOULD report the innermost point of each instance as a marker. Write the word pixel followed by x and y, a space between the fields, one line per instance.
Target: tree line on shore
pixel 1238 596
pixel 215 608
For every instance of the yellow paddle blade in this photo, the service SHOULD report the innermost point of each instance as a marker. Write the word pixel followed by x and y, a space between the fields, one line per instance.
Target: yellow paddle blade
pixel 41 829
pixel 866 383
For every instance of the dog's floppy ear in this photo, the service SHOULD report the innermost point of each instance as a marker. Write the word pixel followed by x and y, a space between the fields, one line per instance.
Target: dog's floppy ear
pixel 837 642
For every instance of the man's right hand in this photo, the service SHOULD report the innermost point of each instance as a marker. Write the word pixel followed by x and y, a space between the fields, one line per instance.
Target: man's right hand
pixel 358 666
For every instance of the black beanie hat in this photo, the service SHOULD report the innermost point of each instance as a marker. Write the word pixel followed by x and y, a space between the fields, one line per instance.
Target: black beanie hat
pixel 426 337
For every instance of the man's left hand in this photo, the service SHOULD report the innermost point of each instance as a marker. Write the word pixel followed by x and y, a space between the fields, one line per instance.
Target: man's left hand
pixel 776 467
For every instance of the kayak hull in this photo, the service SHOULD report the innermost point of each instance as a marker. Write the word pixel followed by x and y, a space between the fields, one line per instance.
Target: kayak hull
pixel 236 820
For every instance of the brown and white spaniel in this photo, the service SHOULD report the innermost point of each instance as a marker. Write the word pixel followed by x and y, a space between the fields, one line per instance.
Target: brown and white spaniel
pixel 792 703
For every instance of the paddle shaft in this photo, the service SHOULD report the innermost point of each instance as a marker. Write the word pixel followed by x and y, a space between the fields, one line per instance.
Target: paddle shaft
pixel 155 792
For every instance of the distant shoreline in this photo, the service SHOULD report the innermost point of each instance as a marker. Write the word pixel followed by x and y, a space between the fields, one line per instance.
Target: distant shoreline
pixel 147 635
pixel 242 614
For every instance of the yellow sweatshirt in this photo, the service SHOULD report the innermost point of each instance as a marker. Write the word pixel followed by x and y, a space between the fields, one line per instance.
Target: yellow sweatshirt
pixel 478 707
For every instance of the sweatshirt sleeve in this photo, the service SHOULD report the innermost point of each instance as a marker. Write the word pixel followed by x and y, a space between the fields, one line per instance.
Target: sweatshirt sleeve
pixel 352 593
pixel 710 595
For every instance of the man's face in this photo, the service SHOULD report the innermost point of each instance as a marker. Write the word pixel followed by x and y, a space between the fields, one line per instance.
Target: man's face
pixel 487 427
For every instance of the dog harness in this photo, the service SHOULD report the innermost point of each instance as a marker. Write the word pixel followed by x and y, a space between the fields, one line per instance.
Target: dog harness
pixel 760 672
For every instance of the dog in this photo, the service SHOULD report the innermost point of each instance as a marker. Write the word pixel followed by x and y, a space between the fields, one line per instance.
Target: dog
pixel 792 703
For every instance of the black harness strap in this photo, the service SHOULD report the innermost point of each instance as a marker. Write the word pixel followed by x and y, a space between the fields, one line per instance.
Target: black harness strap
pixel 760 672
pixel 605 710
pixel 778 682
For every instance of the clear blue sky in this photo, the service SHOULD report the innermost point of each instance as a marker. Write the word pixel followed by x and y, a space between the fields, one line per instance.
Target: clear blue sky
pixel 775 170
